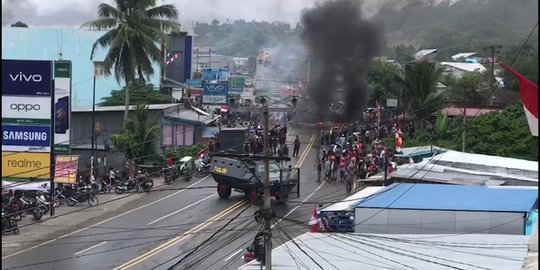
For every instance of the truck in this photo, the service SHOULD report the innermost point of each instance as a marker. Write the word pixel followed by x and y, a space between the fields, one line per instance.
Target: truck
pixel 231 140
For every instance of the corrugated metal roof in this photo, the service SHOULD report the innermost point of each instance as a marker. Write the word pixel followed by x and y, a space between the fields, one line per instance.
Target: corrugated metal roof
pixel 122 108
pixel 422 53
pixel 487 161
pixel 453 197
pixel 470 67
pixel 458 56
pixel 192 117
pixel 349 202
pixel 372 251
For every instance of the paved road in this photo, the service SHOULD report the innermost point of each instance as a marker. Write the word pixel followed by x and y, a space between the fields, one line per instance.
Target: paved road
pixel 163 226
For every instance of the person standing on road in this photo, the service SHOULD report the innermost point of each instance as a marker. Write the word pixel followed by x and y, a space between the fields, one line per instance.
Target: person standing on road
pixel 296 146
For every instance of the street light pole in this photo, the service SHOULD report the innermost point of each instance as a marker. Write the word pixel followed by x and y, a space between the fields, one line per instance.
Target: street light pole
pixel 267 220
pixel 93 126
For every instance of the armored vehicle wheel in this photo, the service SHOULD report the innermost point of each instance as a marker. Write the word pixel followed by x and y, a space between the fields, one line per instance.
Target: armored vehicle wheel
pixel 251 195
pixel 224 191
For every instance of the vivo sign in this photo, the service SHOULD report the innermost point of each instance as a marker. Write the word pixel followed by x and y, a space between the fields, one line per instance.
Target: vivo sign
pixel 216 89
pixel 26 77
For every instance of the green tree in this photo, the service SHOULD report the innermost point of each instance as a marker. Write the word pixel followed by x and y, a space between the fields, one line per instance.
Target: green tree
pixel 140 93
pixel 20 24
pixel 138 139
pixel 134 27
pixel 463 91
pixel 419 83
pixel 504 134
pixel 383 76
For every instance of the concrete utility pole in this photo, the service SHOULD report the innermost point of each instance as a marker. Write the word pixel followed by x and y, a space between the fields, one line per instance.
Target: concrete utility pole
pixel 493 50
pixel 267 206
pixel 464 119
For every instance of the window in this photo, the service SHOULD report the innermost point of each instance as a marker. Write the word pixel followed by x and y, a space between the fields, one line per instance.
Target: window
pixel 99 69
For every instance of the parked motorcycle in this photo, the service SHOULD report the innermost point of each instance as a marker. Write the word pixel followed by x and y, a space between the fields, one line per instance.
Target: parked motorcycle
pixel 9 224
pixel 42 206
pixel 83 194
pixel 140 182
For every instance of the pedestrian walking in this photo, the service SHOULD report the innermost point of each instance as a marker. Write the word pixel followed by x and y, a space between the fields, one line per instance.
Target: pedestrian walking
pixel 296 146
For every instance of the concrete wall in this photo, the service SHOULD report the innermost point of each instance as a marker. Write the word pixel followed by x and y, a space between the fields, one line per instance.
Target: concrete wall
pixel 397 221
pixel 66 44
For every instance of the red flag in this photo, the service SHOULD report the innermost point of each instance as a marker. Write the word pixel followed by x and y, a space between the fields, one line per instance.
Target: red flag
pixel 314 222
pixel 528 91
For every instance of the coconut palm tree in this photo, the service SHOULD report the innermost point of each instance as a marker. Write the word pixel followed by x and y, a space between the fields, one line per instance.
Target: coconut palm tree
pixel 134 29
pixel 419 83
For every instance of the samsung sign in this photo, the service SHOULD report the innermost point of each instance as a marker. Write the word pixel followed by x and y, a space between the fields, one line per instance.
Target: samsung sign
pixel 26 108
pixel 27 77
pixel 28 136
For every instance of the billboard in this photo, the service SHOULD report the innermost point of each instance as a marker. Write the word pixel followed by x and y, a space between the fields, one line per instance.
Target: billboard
pixel 35 109
pixel 194 83
pixel 236 85
pixel 27 90
pixel 66 169
pixel 26 165
pixel 62 106
pixel 215 92
pixel 215 74
pixel 24 138
pixel 26 78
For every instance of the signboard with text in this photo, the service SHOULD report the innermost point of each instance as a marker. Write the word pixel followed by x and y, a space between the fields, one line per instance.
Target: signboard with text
pixel 66 169
pixel 27 90
pixel 215 92
pixel 26 78
pixel 26 165
pixel 62 106
pixel 236 85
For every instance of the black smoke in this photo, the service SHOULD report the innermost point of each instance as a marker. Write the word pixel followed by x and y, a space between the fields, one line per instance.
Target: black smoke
pixel 341 47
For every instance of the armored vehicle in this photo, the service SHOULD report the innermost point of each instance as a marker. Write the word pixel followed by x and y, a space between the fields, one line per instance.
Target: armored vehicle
pixel 247 176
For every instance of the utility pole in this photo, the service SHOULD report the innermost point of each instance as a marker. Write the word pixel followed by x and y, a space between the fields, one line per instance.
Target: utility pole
pixel 493 50
pixel 464 118
pixel 93 127
pixel 267 206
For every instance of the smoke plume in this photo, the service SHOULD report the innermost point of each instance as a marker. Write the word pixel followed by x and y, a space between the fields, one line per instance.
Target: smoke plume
pixel 341 47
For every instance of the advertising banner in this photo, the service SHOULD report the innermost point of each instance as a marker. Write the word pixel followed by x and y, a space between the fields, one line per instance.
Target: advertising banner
pixel 194 83
pixel 26 78
pixel 25 165
pixel 62 106
pixel 33 109
pixel 215 74
pixel 215 92
pixel 25 138
pixel 66 169
pixel 236 85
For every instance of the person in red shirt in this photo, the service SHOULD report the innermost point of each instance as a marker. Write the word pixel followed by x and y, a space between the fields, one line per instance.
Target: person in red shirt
pixel 170 161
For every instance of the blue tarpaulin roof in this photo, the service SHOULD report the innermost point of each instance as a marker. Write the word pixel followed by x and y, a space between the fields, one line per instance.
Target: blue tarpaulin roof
pixel 454 197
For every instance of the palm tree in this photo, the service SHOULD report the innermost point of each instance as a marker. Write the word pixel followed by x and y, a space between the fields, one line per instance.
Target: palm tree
pixel 419 83
pixel 134 29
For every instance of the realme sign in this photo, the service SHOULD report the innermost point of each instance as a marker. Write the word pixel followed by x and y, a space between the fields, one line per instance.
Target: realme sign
pixel 25 165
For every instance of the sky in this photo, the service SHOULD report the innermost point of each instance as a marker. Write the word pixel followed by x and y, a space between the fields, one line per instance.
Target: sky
pixel 72 13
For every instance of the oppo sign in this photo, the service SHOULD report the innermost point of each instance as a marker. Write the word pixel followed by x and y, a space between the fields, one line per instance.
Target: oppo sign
pixel 26 107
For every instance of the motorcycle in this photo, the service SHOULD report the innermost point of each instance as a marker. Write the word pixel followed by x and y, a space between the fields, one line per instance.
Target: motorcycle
pixel 9 224
pixel 140 182
pixel 83 194
pixel 170 174
pixel 41 207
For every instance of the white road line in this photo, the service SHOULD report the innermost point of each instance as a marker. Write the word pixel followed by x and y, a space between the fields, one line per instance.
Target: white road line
pixel 94 246
pixel 303 201
pixel 101 222
pixel 181 209
pixel 232 255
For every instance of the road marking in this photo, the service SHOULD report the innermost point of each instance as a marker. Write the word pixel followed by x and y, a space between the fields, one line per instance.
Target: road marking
pixel 179 238
pixel 232 255
pixel 181 209
pixel 106 220
pixel 303 201
pixel 92 247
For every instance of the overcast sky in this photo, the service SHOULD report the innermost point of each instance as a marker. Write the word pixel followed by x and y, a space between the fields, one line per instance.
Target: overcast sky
pixel 72 13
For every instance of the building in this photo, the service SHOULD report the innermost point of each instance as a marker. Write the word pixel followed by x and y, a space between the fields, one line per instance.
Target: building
pixel 375 252
pixel 470 57
pixel 206 58
pixel 405 208
pixel 459 69
pixel 66 44
pixel 178 61
pixel 428 55
pixel 178 127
